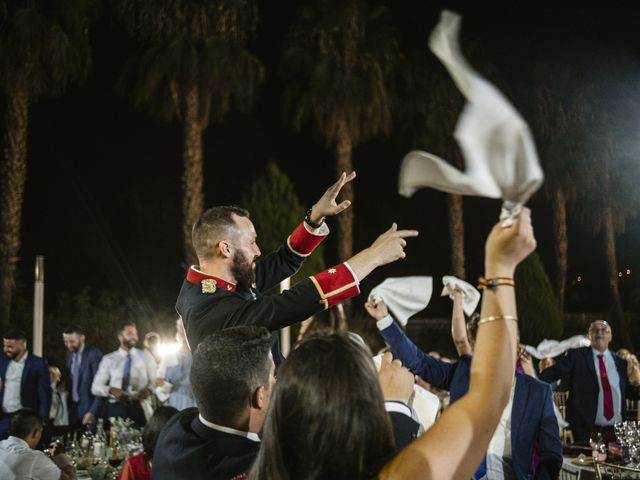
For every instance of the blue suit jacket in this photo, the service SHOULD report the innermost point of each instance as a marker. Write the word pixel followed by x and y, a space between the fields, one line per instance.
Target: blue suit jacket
pixel 87 402
pixel 35 388
pixel 578 370
pixel 533 421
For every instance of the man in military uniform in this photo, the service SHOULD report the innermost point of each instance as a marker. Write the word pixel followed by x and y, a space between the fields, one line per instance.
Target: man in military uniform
pixel 224 291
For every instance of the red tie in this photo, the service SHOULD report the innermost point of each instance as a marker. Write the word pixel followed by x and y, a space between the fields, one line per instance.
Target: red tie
pixel 606 390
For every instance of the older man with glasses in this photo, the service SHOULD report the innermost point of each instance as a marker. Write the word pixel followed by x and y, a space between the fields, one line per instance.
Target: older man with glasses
pixel 597 380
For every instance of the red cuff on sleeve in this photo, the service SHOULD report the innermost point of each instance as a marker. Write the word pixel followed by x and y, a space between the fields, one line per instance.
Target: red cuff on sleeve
pixel 302 242
pixel 336 285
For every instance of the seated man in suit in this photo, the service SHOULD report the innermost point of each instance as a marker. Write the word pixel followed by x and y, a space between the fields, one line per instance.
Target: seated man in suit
pixel 232 377
pixel 597 380
pixel 24 380
pixel 527 421
pixel 83 361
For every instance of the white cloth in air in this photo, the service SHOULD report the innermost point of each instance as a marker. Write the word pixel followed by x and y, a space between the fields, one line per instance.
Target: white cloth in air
pixel 497 145
pixel 404 296
pixel 470 296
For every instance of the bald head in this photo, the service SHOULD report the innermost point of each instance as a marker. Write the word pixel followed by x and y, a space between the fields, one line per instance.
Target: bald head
pixel 600 335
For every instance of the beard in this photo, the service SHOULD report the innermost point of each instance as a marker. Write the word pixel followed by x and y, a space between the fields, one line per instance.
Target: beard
pixel 242 270
pixel 130 343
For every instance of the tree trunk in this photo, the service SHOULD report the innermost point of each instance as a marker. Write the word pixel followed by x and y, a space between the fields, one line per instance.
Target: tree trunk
pixel 622 328
pixel 192 181
pixel 13 175
pixel 345 219
pixel 560 243
pixel 456 234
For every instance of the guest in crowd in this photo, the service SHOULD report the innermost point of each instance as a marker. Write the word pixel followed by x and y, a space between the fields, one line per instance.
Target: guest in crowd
pixel 527 420
pixel 327 321
pixel 82 361
pixel 151 344
pixel 173 386
pixel 232 377
pixel 125 377
pixel 224 290
pixel 19 458
pixel 338 431
pixel 24 380
pixel 597 381
pixel 59 412
pixel 633 366
pixel 138 467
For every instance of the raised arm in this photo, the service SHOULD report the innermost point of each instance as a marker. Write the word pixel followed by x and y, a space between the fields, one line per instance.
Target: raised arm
pixel 458 327
pixel 470 422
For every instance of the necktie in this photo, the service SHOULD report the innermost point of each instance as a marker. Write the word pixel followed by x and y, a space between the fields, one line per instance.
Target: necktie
pixel 75 370
pixel 482 470
pixel 606 389
pixel 127 372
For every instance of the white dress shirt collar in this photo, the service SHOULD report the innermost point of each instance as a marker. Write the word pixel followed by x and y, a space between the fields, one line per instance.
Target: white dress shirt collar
pixel 249 435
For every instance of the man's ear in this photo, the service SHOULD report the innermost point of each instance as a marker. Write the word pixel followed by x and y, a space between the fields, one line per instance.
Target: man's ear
pixel 224 249
pixel 258 399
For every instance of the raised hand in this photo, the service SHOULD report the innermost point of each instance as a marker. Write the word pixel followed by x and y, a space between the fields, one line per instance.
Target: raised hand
pixel 327 205
pixel 389 246
pixel 376 309
pixel 395 380
pixel 507 247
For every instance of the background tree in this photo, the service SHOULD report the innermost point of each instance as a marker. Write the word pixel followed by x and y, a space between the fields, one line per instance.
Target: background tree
pixel 44 46
pixel 338 67
pixel 194 65
pixel 559 117
pixel 275 211
pixel 612 159
pixel 538 310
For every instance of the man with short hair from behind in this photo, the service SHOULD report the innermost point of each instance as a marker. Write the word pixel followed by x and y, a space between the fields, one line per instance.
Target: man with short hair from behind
pixel 24 380
pixel 82 361
pixel 18 458
pixel 232 376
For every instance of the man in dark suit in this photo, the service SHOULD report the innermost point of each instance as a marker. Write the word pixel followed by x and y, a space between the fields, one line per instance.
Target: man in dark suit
pixel 224 291
pixel 531 422
pixel 232 377
pixel 24 378
pixel 82 361
pixel 597 380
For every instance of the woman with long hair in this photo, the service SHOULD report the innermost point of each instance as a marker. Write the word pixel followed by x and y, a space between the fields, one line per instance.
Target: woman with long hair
pixel 327 417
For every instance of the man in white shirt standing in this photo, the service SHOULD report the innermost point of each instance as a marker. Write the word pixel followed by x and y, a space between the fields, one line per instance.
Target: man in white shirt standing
pixel 20 460
pixel 125 377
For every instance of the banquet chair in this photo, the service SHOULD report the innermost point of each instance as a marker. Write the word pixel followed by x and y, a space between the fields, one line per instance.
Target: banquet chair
pixel 560 400
pixel 606 471
pixel 568 474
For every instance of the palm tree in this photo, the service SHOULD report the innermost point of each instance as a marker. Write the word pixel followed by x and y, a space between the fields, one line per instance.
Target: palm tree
pixel 612 160
pixel 437 109
pixel 193 66
pixel 44 46
pixel 558 121
pixel 338 68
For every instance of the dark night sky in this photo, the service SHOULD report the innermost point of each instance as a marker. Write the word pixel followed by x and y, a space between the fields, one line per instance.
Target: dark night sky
pixel 103 195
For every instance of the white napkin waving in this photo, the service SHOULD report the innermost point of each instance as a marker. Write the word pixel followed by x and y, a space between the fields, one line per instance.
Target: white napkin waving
pixel 552 348
pixel 470 296
pixel 404 296
pixel 500 156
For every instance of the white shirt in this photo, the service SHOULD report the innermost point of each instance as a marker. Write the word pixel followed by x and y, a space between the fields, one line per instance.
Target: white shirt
pixel 614 382
pixel 214 426
pixel 18 461
pixel 111 371
pixel 499 451
pixel 12 381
